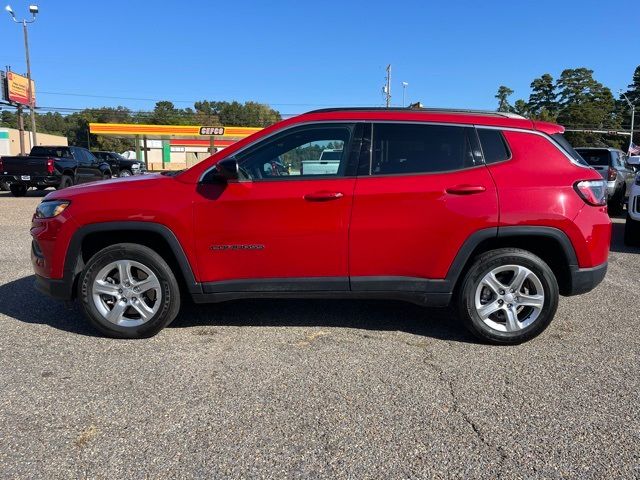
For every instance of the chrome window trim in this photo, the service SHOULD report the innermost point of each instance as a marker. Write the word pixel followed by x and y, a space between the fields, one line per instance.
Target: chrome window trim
pixel 409 122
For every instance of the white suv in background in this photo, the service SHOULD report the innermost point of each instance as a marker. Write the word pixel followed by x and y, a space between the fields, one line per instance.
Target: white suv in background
pixel 632 227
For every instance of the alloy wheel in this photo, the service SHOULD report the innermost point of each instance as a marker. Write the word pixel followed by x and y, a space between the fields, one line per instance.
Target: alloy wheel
pixel 126 293
pixel 509 298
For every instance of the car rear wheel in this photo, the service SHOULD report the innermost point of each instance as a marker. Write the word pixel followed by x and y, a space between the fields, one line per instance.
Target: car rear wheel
pixel 18 190
pixel 632 232
pixel 65 182
pixel 129 291
pixel 508 296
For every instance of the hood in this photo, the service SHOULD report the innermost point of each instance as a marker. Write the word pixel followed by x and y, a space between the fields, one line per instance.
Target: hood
pixel 132 183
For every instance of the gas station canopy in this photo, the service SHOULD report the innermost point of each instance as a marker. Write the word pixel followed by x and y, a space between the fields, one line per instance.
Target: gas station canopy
pixel 173 146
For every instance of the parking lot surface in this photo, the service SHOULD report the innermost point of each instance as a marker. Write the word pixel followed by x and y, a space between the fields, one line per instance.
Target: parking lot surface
pixel 275 389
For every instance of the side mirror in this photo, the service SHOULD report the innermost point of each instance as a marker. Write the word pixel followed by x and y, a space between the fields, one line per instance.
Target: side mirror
pixel 223 172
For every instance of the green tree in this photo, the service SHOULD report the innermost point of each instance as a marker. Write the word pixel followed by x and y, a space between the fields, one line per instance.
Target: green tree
pixel 586 103
pixel 521 108
pixel 543 102
pixel 503 99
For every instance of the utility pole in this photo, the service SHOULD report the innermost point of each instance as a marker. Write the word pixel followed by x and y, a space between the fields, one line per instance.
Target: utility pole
pixel 32 106
pixel 387 87
pixel 21 129
pixel 404 90
pixel 33 9
pixel 633 117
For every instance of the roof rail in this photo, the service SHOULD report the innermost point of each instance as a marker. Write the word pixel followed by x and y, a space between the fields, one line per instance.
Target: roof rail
pixel 420 109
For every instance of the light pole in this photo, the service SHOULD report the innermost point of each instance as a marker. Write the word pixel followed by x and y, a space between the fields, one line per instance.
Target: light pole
pixel 33 9
pixel 633 117
pixel 404 89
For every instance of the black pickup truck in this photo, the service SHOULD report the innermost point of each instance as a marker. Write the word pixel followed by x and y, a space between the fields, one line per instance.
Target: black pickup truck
pixel 58 167
pixel 120 166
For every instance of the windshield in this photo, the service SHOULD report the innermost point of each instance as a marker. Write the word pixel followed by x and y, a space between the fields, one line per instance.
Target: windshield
pixel 595 157
pixel 566 146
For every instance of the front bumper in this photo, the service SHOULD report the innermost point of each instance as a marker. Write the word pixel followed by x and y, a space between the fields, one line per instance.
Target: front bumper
pixel 585 279
pixel 633 208
pixel 59 288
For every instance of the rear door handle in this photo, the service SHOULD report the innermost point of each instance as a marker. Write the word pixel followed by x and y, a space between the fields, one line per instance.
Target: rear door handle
pixel 322 196
pixel 466 189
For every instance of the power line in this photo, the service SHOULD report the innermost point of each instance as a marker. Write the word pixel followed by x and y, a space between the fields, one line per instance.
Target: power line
pixel 142 99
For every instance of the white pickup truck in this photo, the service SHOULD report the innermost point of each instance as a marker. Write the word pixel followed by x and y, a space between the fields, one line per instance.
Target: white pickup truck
pixel 327 164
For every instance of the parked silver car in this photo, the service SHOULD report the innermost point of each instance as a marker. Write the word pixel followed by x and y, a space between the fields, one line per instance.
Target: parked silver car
pixel 611 163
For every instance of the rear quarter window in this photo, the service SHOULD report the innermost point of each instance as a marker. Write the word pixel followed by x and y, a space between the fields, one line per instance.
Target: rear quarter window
pixel 494 145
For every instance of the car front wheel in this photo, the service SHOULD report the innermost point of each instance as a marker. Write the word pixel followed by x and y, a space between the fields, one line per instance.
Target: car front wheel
pixel 129 291
pixel 125 173
pixel 508 296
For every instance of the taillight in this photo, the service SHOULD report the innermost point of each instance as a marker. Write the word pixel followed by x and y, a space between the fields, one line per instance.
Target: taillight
pixel 50 168
pixel 594 192
pixel 1 165
pixel 611 176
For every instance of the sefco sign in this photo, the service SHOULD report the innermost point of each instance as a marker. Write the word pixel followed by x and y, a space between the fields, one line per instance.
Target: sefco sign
pixel 211 130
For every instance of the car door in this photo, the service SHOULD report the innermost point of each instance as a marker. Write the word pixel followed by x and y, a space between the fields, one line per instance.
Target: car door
pixel 423 191
pixel 94 164
pixel 83 165
pixel 277 229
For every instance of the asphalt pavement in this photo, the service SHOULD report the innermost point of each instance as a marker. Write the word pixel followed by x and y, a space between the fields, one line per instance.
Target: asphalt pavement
pixel 315 389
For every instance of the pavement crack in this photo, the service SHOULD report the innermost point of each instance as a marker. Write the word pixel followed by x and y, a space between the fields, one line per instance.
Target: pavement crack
pixel 449 382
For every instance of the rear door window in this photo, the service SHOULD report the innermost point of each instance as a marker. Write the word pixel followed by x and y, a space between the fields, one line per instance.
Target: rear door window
pixel 413 148
pixel 57 152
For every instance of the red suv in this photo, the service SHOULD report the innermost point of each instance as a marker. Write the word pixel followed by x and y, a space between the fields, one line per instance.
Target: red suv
pixel 492 211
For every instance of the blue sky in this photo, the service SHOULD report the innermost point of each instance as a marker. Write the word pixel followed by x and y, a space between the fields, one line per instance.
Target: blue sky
pixel 300 55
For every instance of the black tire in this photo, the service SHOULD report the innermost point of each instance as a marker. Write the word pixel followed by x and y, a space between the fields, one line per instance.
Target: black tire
pixel 169 302
pixel 18 190
pixel 616 203
pixel 485 263
pixel 65 182
pixel 632 232
pixel 125 173
pixel 4 186
pixel 106 175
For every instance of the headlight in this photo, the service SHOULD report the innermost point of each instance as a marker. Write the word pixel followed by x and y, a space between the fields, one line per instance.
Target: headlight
pixel 135 165
pixel 51 208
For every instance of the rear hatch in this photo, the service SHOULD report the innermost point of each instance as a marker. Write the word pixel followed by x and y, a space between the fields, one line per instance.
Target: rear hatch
pixel 598 158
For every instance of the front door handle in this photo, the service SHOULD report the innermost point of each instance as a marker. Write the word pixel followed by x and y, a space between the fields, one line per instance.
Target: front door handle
pixel 466 189
pixel 322 196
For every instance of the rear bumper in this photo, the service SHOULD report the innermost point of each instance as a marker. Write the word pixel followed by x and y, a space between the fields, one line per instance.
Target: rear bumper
pixel 35 180
pixel 586 279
